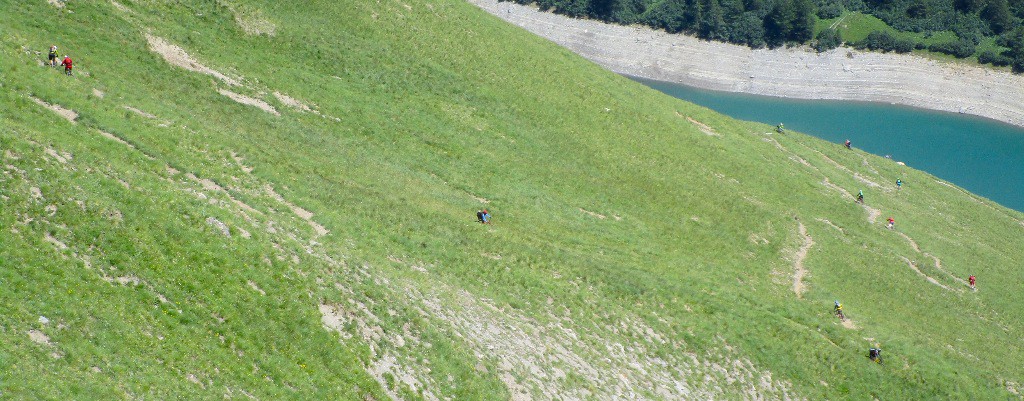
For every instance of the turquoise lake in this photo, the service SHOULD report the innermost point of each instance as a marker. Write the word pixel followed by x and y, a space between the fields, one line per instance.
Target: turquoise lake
pixel 983 156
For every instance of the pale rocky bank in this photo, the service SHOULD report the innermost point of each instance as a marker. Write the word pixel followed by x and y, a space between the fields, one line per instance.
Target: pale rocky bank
pixel 802 73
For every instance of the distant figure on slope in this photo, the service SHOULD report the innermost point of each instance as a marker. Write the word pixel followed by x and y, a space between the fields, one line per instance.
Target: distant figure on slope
pixel 848 145
pixel 52 56
pixel 971 281
pixel 875 354
pixel 860 197
pixel 892 223
pixel 838 308
pixel 483 216
pixel 779 128
pixel 67 65
pixel 899 184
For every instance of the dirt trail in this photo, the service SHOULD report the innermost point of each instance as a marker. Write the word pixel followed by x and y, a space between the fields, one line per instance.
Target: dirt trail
pixel 67 114
pixel 702 127
pixel 178 57
pixel 927 277
pixel 938 263
pixel 249 101
pixel 798 263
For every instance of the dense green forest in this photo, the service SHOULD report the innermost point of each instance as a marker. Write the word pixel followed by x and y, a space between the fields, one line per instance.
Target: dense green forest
pixel 990 30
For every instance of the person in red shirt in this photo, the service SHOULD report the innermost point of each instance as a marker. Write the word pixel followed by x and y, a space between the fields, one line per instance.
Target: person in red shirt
pixel 892 223
pixel 971 280
pixel 67 65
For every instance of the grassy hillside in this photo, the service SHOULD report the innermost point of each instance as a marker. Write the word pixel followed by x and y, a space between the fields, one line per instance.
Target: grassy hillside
pixel 275 200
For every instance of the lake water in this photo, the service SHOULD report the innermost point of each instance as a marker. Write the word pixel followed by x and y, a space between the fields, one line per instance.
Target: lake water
pixel 983 156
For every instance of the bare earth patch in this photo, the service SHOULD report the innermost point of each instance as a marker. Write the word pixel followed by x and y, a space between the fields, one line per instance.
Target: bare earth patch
pixel 798 263
pixel 140 112
pixel 702 127
pixel 117 139
pixel 927 277
pixel 98 93
pixel 302 213
pixel 250 101
pixel 67 114
pixel 38 337
pixel 177 56
pixel 62 157
pixel 292 102
pixel 56 3
pixel 593 214
pixel 119 6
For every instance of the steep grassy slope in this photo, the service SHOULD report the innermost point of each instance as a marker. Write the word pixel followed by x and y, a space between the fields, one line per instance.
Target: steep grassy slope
pixel 276 200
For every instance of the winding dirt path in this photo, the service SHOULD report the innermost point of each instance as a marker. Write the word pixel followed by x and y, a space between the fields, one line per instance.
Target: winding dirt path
pixel 798 264
pixel 926 277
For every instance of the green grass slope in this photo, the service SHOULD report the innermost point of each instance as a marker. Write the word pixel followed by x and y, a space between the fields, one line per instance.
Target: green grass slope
pixel 275 200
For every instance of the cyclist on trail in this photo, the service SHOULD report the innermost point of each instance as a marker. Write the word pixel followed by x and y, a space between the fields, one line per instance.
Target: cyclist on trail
pixel 971 280
pixel 838 308
pixel 483 216
pixel 848 144
pixel 892 223
pixel 875 354
pixel 779 128
pixel 53 56
pixel 67 65
pixel 899 184
pixel 860 197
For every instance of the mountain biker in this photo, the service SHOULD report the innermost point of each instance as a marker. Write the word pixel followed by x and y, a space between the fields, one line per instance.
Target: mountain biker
pixel 860 197
pixel 875 354
pixel 67 65
pixel 53 56
pixel 899 183
pixel 838 308
pixel 483 216
pixel 892 223
pixel 971 280
pixel 847 144
pixel 779 128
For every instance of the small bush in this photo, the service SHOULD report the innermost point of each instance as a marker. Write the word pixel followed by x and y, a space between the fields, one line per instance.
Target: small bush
pixel 827 39
pixel 829 11
pixel 960 48
pixel 886 42
pixel 996 59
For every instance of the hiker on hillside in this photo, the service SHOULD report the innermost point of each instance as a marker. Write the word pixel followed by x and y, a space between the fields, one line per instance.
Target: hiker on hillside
pixel 67 65
pixel 52 56
pixel 860 197
pixel 848 145
pixel 892 223
pixel 483 216
pixel 971 281
pixel 899 184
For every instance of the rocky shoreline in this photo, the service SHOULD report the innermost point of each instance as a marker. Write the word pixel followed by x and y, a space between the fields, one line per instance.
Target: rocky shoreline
pixel 840 74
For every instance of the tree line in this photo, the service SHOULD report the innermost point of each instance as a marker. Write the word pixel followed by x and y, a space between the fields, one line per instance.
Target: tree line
pixel 774 23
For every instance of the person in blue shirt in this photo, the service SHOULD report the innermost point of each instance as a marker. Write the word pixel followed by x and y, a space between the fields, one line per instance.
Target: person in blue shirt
pixel 899 183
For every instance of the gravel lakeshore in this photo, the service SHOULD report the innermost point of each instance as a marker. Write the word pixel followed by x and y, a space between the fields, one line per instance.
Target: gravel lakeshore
pixel 841 74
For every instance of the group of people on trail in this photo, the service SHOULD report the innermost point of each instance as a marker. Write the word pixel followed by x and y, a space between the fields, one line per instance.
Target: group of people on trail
pixel 66 63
